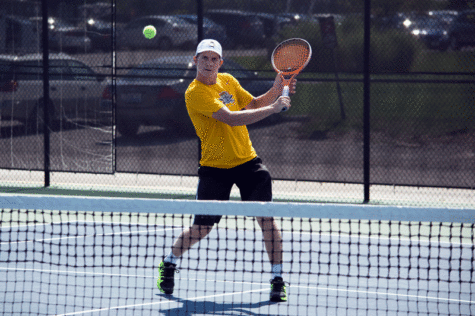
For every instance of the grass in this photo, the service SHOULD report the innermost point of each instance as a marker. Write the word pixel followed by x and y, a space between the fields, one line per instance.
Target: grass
pixel 399 109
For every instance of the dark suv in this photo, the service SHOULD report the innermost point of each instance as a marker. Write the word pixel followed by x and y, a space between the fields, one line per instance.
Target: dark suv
pixel 243 29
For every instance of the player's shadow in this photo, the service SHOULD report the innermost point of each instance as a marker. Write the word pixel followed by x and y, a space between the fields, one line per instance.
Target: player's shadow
pixel 202 307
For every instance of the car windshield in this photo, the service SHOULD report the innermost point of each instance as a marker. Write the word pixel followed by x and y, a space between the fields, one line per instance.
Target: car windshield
pixel 160 71
pixel 177 21
pixel 428 23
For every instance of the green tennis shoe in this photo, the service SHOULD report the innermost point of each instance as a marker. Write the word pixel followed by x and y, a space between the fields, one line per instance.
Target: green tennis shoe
pixel 278 292
pixel 166 277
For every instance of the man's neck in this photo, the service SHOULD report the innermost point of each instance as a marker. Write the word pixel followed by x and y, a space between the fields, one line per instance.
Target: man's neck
pixel 207 80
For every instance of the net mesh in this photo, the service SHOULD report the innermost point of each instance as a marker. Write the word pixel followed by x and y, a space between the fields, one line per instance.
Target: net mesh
pixel 291 55
pixel 105 263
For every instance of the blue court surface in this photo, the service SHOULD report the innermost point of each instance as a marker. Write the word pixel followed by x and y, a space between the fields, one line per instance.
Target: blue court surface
pixel 87 268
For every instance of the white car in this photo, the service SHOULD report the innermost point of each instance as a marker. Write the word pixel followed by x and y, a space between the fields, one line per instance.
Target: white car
pixel 171 32
pixel 75 90
pixel 64 36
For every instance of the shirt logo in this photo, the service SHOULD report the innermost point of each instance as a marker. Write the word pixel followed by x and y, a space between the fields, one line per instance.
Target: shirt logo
pixel 226 98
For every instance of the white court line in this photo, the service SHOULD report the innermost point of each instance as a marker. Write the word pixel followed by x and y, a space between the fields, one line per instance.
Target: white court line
pixel 91 235
pixel 42 224
pixel 417 240
pixel 387 294
pixel 163 302
pixel 120 275
pixel 418 297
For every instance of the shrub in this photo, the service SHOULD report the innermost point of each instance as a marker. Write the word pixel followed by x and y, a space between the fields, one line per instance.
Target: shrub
pixel 391 50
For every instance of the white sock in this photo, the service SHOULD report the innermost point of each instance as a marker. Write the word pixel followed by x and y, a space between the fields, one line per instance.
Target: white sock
pixel 276 270
pixel 171 258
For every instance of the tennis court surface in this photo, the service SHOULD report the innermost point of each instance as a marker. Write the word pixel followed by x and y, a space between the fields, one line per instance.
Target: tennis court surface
pixel 65 255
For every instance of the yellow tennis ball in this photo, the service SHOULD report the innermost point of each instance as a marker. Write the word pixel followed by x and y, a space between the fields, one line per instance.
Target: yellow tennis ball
pixel 149 31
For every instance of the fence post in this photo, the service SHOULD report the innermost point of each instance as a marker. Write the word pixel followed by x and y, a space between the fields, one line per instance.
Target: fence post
pixel 199 14
pixel 366 100
pixel 46 103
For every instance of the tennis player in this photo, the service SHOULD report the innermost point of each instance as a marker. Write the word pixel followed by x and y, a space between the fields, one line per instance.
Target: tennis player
pixel 220 109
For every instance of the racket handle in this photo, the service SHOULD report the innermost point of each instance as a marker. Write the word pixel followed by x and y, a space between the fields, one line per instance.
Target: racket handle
pixel 285 92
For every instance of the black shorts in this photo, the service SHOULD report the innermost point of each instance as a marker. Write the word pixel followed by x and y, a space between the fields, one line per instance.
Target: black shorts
pixel 252 178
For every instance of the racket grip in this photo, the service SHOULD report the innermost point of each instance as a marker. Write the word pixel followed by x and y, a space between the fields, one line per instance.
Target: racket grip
pixel 285 92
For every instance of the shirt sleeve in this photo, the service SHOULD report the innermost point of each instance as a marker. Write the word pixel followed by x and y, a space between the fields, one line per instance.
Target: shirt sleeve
pixel 203 102
pixel 243 97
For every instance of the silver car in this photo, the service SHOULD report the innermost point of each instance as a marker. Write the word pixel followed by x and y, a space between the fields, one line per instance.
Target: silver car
pixel 75 90
pixel 171 32
pixel 153 94
pixel 64 36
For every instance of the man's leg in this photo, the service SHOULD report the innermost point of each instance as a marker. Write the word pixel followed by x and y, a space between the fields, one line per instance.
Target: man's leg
pixel 272 239
pixel 213 184
pixel 255 184
pixel 189 237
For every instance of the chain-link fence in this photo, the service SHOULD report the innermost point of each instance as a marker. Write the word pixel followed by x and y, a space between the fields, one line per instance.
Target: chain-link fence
pixel 387 99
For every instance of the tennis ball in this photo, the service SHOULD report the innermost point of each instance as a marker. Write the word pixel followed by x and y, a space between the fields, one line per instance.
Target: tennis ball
pixel 149 31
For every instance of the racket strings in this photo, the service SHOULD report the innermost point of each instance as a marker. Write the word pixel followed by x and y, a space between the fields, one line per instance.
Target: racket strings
pixel 291 56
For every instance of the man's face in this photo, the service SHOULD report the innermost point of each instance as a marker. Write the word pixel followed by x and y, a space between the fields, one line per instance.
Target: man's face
pixel 208 64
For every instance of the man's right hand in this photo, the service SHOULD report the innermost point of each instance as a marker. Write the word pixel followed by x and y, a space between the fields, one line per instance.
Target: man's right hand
pixel 281 103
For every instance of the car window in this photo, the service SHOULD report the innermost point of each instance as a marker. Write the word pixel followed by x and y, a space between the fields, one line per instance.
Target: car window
pixel 80 71
pixel 160 71
pixel 33 70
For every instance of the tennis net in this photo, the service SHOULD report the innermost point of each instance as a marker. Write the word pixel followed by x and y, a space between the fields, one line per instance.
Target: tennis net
pixel 99 256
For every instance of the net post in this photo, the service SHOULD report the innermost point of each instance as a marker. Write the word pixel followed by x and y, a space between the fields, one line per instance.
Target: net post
pixel 200 20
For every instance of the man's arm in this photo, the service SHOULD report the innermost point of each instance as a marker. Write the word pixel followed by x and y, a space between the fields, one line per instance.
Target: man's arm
pixel 249 116
pixel 271 95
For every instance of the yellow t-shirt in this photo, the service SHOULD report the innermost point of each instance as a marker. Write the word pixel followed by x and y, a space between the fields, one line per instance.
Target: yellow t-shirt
pixel 222 146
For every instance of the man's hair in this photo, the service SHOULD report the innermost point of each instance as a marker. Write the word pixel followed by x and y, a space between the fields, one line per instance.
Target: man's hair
pixel 198 55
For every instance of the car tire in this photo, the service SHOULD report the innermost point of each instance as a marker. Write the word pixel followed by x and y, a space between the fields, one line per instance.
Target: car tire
pixel 182 128
pixel 165 43
pixel 128 128
pixel 35 123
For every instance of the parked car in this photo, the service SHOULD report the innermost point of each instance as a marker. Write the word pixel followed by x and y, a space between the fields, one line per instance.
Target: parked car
pixel 64 36
pixel 433 32
pixel 210 29
pixel 153 93
pixel 18 35
pixel 171 32
pixel 100 33
pixel 462 30
pixel 273 24
pixel 243 28
pixel 75 90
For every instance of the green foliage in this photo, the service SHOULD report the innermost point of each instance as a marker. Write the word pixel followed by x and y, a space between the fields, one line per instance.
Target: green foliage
pixel 390 51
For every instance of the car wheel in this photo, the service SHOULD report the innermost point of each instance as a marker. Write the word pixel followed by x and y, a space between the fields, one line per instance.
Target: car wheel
pixel 164 43
pixel 128 128
pixel 35 122
pixel 180 128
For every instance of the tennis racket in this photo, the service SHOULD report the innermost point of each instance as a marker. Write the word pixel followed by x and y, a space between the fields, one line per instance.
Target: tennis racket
pixel 289 58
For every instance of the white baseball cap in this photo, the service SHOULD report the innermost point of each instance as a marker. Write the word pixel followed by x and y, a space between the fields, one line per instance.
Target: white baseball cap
pixel 209 45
